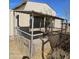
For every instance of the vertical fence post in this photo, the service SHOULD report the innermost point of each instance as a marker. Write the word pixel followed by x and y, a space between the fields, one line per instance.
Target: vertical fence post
pixel 13 24
pixel 44 23
pixel 31 41
pixel 61 29
pixel 65 29
pixel 61 26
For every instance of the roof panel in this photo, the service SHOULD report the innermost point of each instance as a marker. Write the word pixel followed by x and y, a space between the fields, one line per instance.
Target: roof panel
pixel 37 7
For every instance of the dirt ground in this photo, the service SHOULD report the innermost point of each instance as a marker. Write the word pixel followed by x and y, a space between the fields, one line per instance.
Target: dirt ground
pixel 17 49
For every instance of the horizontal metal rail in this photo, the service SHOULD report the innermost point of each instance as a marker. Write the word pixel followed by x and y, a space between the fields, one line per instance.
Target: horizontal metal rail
pixel 28 33
pixel 38 34
pixel 23 31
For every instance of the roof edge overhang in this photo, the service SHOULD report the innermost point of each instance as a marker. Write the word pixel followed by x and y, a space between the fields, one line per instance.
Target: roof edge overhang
pixel 24 2
pixel 33 12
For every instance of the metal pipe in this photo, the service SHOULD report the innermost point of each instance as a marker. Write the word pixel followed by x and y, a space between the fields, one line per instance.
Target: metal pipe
pixel 66 29
pixel 28 33
pixel 38 34
pixel 44 22
pixel 14 31
pixel 23 31
pixel 17 20
pixel 31 41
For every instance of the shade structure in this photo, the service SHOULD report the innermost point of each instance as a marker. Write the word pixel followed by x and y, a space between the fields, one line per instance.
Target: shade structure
pixel 35 6
pixel 32 27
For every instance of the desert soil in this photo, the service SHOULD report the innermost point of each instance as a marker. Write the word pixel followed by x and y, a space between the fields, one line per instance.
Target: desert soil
pixel 17 50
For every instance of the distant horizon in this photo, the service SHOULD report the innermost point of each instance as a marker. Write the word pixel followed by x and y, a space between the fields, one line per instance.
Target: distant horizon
pixel 61 7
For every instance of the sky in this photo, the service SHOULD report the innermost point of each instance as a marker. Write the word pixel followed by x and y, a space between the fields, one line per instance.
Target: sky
pixel 62 7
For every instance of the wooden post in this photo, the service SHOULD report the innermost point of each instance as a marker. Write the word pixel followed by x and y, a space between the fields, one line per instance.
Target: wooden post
pixel 31 41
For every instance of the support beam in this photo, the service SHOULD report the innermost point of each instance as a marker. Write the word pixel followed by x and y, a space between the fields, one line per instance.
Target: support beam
pixel 66 24
pixel 14 25
pixel 61 26
pixel 61 29
pixel 44 23
pixel 18 29
pixel 51 25
pixel 40 24
pixel 17 20
pixel 31 41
